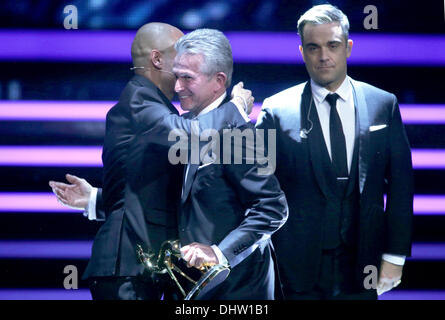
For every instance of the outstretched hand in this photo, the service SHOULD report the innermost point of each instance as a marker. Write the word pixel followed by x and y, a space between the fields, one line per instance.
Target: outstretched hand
pixel 74 195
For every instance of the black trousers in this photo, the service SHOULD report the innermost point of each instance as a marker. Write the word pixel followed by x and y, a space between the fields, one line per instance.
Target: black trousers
pixel 336 279
pixel 132 288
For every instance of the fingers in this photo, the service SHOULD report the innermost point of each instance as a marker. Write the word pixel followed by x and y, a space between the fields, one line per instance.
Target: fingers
pixel 80 183
pixel 239 85
pixel 187 253
pixel 73 179
pixel 247 98
pixel 60 185
pixel 190 257
pixel 58 192
pixel 197 258
pixel 67 195
pixel 246 93
pixel 193 255
pixel 384 285
pixel 389 278
pixel 250 104
pixel 387 284
pixel 193 262
pixel 237 89
pixel 59 189
pixel 184 250
pixel 60 195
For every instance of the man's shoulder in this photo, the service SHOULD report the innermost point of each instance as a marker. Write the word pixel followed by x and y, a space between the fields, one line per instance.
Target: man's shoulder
pixel 289 92
pixel 285 100
pixel 141 98
pixel 140 92
pixel 141 88
pixel 140 81
pixel 370 90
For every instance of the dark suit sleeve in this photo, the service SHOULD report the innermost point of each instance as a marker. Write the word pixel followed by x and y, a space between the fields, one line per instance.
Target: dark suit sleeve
pixel 266 207
pixel 100 212
pixel 399 205
pixel 155 121
pixel 265 119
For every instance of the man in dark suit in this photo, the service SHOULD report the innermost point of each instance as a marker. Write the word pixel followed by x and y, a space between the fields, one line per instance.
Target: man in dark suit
pixel 141 188
pixel 228 210
pixel 340 146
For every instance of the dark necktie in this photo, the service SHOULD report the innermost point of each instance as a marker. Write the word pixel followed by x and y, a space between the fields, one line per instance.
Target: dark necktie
pixel 338 142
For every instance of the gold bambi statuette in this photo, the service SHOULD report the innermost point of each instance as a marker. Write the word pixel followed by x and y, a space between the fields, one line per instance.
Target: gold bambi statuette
pixel 192 282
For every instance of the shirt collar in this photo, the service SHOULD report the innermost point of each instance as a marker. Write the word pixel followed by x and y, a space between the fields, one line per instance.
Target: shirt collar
pixel 215 104
pixel 319 93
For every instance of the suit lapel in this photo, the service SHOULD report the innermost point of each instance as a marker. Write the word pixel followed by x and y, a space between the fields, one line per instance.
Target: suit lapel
pixel 363 123
pixel 321 162
pixel 354 166
pixel 189 171
pixel 189 177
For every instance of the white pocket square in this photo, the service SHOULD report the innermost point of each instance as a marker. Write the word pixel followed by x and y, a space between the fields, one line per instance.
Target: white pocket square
pixel 377 127
pixel 205 165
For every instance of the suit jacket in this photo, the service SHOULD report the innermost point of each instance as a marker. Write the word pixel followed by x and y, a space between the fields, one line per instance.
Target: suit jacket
pixel 141 189
pixel 384 166
pixel 234 207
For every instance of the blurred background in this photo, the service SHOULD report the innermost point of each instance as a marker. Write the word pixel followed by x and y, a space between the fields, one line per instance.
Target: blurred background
pixel 57 84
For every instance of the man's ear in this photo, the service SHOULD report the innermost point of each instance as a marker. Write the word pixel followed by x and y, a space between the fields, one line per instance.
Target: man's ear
pixel 156 59
pixel 349 48
pixel 301 50
pixel 221 79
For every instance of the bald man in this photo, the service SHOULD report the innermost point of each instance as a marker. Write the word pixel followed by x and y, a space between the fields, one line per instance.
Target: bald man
pixel 141 188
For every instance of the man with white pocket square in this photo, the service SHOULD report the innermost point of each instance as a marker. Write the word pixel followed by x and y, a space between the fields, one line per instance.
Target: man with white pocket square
pixel 229 209
pixel 341 146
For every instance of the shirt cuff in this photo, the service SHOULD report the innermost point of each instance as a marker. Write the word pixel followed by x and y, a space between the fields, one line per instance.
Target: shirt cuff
pixel 241 108
pixel 394 259
pixel 221 258
pixel 90 210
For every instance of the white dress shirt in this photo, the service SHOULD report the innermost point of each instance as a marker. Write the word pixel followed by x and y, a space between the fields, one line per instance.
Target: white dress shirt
pixel 90 210
pixel 346 112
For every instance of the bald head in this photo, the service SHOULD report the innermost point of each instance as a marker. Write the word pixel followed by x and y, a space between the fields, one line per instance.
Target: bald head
pixel 153 36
